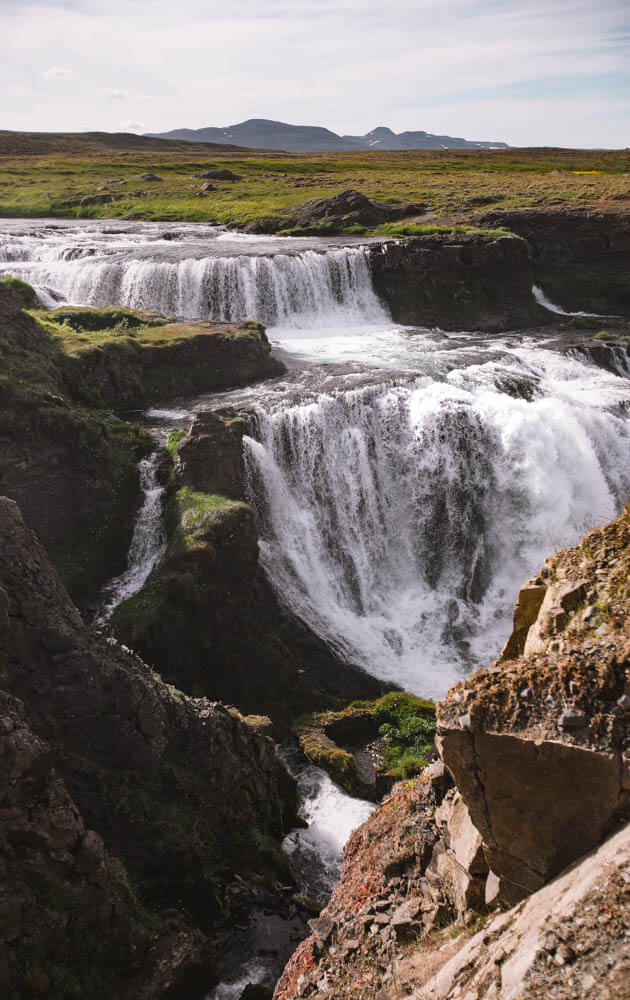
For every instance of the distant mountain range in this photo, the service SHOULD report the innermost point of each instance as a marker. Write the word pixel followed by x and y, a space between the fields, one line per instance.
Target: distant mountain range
pixel 259 133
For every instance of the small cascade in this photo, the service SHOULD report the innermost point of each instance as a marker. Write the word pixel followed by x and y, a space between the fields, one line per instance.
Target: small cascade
pixel 400 520
pixel 148 543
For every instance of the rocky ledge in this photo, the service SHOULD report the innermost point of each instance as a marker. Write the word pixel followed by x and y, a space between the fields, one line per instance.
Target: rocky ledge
pixel 534 775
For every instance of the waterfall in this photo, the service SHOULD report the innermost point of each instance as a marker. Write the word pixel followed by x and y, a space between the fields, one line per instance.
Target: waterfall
pixel 400 520
pixel 305 289
pixel 148 543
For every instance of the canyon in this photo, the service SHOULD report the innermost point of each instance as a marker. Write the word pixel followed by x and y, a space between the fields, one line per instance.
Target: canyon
pixel 260 522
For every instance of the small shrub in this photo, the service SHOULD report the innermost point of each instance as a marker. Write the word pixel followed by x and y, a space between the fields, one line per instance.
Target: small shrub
pixel 604 335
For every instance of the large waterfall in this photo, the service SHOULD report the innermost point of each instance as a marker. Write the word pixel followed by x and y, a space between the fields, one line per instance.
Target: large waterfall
pixel 405 482
pixel 400 520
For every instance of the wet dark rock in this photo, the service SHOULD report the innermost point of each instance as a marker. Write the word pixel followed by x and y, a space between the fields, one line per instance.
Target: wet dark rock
pixel 475 283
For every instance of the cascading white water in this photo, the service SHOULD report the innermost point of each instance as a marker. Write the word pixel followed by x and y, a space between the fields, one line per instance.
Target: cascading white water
pixel 400 520
pixel 148 543
pixel 197 279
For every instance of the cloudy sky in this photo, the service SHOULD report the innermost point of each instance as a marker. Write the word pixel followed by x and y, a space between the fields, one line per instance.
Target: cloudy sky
pixel 527 72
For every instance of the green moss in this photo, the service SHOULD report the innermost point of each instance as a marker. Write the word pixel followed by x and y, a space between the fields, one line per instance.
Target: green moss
pixel 194 507
pixel 26 292
pixel 173 441
pixel 604 335
pixel 405 723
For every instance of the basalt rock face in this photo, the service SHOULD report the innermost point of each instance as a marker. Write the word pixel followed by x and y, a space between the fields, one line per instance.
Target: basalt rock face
pixel 73 472
pixel 467 283
pixel 581 259
pixel 181 791
pixel 210 456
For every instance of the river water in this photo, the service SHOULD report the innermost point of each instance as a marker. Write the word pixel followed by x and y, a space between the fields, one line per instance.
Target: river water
pixel 405 482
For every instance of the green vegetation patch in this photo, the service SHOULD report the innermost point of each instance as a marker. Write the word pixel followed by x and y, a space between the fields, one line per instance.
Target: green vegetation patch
pixel 172 442
pixel 406 724
pixel 420 229
pixel 26 292
pixel 194 507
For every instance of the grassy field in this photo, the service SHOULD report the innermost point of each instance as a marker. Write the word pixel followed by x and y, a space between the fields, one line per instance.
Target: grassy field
pixel 455 186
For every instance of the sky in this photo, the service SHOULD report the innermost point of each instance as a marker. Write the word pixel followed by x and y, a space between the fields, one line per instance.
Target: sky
pixel 526 72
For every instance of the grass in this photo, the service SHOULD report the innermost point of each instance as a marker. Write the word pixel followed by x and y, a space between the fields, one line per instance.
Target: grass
pixel 26 292
pixel 194 507
pixel 74 329
pixel 173 440
pixel 418 229
pixel 454 184
pixel 406 725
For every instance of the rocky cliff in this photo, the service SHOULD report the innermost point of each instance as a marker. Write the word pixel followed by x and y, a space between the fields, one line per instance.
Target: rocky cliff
pixel 64 457
pixel 126 807
pixel 469 282
pixel 534 775
pixel 581 258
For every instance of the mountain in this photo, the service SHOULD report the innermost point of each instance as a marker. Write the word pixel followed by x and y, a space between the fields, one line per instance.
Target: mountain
pixel 260 133
pixel 88 143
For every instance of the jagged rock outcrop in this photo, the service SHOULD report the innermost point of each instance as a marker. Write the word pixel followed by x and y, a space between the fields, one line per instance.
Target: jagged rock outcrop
pixel 458 283
pixel 522 736
pixel 207 619
pixel 569 939
pixel 181 791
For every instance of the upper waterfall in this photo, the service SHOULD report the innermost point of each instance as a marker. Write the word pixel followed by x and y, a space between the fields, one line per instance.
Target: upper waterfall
pixel 217 276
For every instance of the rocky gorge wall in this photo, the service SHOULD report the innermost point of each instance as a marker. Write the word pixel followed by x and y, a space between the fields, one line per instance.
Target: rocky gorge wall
pixel 467 282
pixel 125 807
pixel 65 458
pixel 534 774
pixel 581 258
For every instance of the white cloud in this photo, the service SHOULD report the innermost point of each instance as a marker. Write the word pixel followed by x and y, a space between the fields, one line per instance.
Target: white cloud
pixel 134 127
pixel 523 72
pixel 57 73
pixel 124 95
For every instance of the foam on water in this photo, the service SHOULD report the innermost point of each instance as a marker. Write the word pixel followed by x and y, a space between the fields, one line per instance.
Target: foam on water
pixel 400 520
